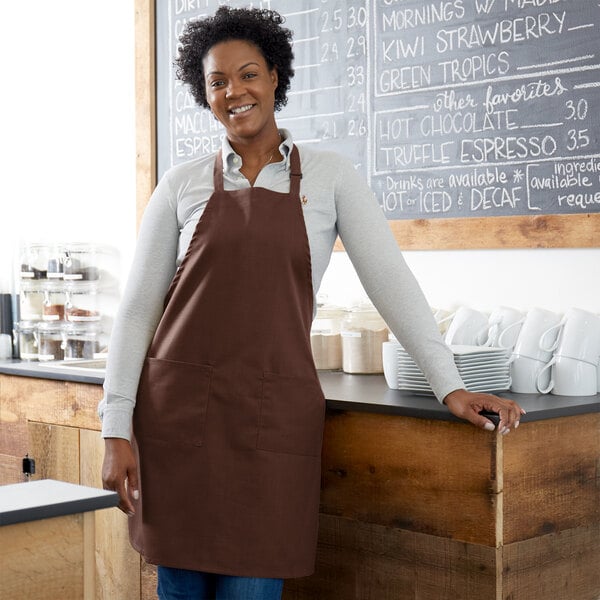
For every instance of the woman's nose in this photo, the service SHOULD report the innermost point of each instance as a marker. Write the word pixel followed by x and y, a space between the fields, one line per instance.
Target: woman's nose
pixel 233 89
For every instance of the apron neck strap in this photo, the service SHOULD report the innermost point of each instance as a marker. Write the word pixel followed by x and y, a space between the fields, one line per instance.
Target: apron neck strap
pixel 218 172
pixel 295 172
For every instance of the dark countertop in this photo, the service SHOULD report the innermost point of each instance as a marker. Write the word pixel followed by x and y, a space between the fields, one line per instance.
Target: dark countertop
pixel 368 393
pixel 64 371
pixel 47 498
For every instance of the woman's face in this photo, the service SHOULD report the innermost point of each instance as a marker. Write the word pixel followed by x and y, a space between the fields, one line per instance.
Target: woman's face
pixel 240 89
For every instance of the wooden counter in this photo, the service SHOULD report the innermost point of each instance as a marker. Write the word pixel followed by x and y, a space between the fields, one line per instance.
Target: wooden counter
pixel 415 503
pixel 43 525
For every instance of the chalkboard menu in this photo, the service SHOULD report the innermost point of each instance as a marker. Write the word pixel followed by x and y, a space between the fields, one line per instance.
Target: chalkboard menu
pixel 449 108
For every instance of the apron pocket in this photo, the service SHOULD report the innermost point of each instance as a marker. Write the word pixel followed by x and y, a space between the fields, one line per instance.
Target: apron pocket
pixel 172 401
pixel 292 415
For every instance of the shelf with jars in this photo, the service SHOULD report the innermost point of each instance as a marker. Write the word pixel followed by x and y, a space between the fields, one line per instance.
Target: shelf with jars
pixel 68 295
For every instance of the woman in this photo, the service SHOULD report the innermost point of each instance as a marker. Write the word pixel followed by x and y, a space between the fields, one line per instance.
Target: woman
pixel 212 342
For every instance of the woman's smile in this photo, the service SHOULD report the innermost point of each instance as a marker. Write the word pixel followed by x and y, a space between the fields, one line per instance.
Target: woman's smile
pixel 239 110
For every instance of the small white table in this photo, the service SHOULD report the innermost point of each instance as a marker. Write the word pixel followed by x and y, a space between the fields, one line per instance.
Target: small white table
pixel 47 539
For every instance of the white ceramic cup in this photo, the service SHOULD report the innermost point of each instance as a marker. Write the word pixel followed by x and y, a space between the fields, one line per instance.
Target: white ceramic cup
pixel 443 318
pixel 524 372
pixel 504 326
pixel 5 346
pixel 578 336
pixel 569 377
pixel 390 363
pixel 537 322
pixel 469 327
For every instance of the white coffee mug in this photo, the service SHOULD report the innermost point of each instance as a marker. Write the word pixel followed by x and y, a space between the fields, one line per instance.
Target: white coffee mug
pixel 569 377
pixel 5 346
pixel 578 336
pixel 443 318
pixel 469 327
pixel 504 326
pixel 537 322
pixel 524 372
pixel 390 363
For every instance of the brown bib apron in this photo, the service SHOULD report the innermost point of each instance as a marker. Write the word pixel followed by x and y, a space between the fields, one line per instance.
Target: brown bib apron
pixel 229 417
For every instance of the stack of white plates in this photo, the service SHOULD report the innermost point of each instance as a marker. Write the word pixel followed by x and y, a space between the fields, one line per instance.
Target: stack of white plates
pixel 482 369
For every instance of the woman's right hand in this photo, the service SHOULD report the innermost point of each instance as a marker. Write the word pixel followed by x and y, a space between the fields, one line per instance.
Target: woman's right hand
pixel 119 473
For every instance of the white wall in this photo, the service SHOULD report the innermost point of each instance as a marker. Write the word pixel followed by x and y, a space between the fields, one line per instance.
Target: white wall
pixel 67 151
pixel 555 279
pixel 67 141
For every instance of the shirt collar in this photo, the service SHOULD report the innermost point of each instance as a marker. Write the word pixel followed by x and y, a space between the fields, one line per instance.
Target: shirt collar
pixel 232 161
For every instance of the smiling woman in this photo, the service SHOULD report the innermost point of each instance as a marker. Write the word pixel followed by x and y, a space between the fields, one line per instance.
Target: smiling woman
pixel 210 363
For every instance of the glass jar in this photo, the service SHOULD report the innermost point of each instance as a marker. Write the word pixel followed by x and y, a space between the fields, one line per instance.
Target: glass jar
pixel 53 308
pixel 27 338
pixel 82 341
pixel 34 261
pixel 51 343
pixel 81 301
pixel 326 339
pixel 363 334
pixel 80 262
pixel 31 300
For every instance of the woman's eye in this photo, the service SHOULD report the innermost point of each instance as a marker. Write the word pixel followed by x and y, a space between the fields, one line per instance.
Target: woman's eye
pixel 217 83
pixel 249 75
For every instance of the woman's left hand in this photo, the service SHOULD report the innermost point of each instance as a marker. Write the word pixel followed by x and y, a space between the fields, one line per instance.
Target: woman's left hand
pixel 467 405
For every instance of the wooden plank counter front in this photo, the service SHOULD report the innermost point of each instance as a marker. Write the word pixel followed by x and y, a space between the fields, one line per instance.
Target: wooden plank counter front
pixel 415 504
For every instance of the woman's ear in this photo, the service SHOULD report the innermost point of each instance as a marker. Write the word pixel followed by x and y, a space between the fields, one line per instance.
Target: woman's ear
pixel 274 77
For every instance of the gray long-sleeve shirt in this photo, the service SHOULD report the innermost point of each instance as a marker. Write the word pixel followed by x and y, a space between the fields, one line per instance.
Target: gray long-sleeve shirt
pixel 338 201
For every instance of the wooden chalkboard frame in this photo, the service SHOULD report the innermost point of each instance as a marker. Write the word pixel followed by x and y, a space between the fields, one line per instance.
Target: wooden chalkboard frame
pixel 544 231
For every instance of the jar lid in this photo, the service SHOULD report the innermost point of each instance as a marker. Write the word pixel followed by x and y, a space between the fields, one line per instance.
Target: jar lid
pixel 363 308
pixel 75 328
pixel 26 326
pixel 31 285
pixel 80 287
pixel 330 310
pixel 52 285
pixel 49 327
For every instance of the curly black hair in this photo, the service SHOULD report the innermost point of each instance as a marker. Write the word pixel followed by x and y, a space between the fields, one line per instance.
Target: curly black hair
pixel 259 27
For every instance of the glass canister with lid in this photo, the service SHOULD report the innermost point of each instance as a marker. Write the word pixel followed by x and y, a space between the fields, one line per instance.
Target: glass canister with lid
pixel 80 262
pixel 81 301
pixel 51 343
pixel 326 339
pixel 90 262
pixel 31 300
pixel 53 308
pixel 363 334
pixel 82 341
pixel 34 261
pixel 26 332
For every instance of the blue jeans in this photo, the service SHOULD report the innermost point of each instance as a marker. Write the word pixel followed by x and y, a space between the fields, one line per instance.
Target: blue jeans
pixel 180 584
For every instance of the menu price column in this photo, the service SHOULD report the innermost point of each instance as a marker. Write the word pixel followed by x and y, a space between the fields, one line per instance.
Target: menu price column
pixel 328 103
